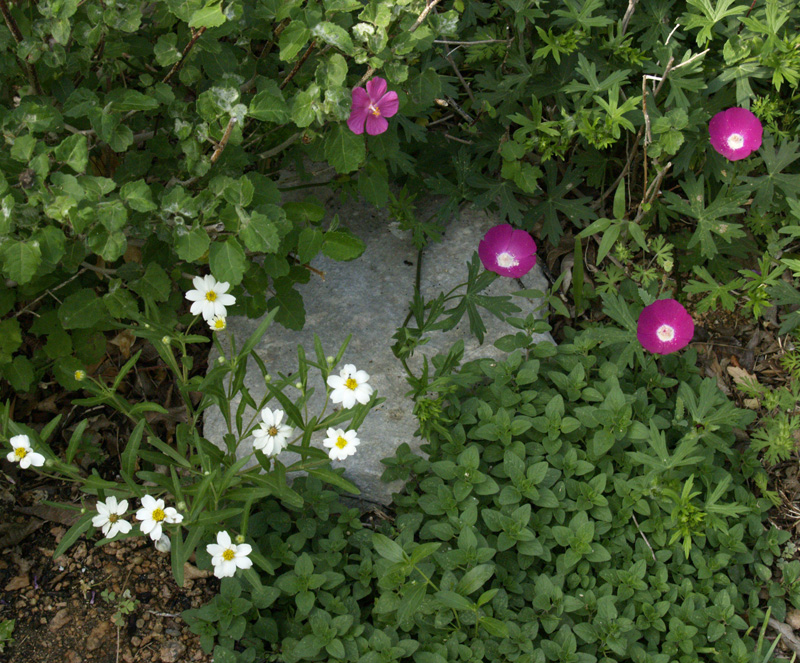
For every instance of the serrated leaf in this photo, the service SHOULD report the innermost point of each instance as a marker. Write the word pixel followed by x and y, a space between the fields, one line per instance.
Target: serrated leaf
pixel 259 233
pixel 292 39
pixel 207 17
pixel 138 196
pixel 342 246
pixel 333 34
pixel 74 152
pixel 192 245
pixel 20 260
pixel 344 150
pixel 81 310
pixel 291 311
pixel 19 373
pixel 309 244
pixel 228 261
pixel 269 105
pixel 154 283
pixel 125 100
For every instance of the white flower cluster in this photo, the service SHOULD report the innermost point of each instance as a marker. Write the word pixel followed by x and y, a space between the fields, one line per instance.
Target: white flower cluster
pixel 209 299
pixel 23 453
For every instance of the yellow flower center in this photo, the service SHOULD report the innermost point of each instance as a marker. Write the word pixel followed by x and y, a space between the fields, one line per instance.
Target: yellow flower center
pixel 350 383
pixel 219 323
pixel 228 555
pixel 341 442
pixel 158 515
pixel 211 295
pixel 20 452
pixel 79 375
pixel 375 110
pixel 113 517
pixel 272 432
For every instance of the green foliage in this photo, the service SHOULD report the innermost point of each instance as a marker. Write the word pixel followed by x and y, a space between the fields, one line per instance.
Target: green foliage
pixel 6 631
pixel 565 509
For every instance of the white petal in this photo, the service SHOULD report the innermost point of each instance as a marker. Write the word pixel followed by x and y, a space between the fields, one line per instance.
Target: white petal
pixel 243 549
pixel 243 562
pixel 361 377
pixel 124 526
pixel 35 459
pixel 209 282
pixel 149 503
pixel 215 550
pixel 11 457
pixel 224 539
pixel 199 283
pixel 99 520
pixel 20 441
pixel 122 507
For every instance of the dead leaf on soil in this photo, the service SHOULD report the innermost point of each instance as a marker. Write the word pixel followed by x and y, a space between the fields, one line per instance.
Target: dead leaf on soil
pixel 59 619
pixel 191 572
pixel 53 514
pixel 20 582
pixel 741 375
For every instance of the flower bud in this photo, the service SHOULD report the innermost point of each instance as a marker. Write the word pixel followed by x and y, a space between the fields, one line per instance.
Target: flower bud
pixel 165 340
pixel 80 375
pixel 239 539
pixel 164 544
pixel 298 386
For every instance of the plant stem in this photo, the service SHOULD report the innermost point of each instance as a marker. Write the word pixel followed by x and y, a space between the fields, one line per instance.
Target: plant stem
pixel 17 34
pixel 179 64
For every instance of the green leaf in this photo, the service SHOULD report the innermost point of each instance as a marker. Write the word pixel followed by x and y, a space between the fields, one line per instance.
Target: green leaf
pixel 291 311
pixel 123 100
pixel 192 245
pixel 344 150
pixel 619 202
pixel 154 284
pixel 138 196
pixel 74 532
pixel 373 183
pixel 228 261
pixel 166 51
pixel 292 39
pixel 22 149
pixel 342 246
pixel 207 17
pixel 334 35
pixel 259 233
pixel 108 245
pixel 387 548
pixel 411 601
pixel 328 475
pixel 308 244
pixel 74 152
pixel 19 373
pixel 269 105
pixel 20 260
pixel 81 310
pixel 454 601
pixel 474 579
pixel 10 339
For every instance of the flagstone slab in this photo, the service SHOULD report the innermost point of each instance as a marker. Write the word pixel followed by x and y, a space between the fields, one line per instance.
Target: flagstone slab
pixel 369 298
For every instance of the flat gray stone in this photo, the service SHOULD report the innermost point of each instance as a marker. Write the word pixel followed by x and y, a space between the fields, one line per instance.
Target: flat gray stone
pixel 369 298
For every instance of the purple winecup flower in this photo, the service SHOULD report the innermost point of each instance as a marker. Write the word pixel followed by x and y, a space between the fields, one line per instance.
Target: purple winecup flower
pixel 507 251
pixel 371 107
pixel 735 133
pixel 664 327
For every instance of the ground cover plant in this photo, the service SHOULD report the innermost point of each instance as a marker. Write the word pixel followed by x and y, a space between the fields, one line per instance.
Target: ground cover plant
pixel 646 153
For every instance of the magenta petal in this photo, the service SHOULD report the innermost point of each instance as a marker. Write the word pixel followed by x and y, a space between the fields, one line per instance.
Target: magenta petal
pixel 388 104
pixel 735 121
pixel 505 239
pixel 664 312
pixel 376 124
pixel 376 88
pixel 356 120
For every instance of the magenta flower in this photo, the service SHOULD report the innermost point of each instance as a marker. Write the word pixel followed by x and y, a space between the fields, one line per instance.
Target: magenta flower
pixel 507 251
pixel 735 133
pixel 372 106
pixel 664 327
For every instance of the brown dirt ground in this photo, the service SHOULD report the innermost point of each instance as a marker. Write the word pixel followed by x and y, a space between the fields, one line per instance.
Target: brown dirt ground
pixel 57 604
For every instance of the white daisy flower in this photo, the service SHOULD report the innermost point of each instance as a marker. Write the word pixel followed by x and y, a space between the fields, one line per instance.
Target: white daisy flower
pixel 350 386
pixel 217 323
pixel 23 453
pixel 108 517
pixel 271 435
pixel 341 444
pixel 153 513
pixel 227 557
pixel 209 297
